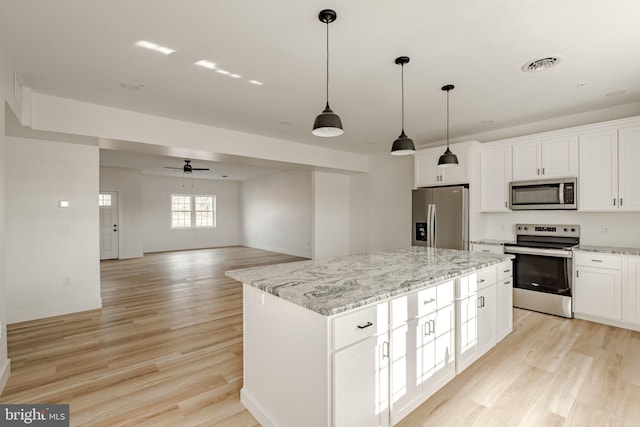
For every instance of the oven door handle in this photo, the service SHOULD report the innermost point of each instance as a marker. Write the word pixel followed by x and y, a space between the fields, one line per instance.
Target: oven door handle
pixel 558 253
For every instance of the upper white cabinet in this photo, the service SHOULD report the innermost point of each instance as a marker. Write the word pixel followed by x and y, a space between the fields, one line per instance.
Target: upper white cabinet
pixel 609 173
pixel 549 157
pixel 495 175
pixel 429 174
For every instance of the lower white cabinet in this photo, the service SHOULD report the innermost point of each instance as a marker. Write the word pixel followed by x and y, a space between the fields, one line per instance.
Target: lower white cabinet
pixel 486 303
pixel 631 291
pixel 422 347
pixel 360 386
pixel 504 311
pixel 598 285
pixel 487 248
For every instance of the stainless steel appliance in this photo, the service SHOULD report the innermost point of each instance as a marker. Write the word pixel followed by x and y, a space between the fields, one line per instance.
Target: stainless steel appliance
pixel 558 193
pixel 542 268
pixel 441 217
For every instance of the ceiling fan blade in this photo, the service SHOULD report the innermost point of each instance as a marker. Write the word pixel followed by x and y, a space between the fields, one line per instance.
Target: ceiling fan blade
pixel 199 169
pixel 169 167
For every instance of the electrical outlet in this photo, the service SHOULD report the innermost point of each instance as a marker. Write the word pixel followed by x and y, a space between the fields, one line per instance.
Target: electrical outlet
pixel 605 230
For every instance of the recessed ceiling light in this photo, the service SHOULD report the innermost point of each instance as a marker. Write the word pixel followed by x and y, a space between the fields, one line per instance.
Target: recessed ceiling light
pixel 286 123
pixel 616 93
pixel 581 84
pixel 206 64
pixel 235 76
pixel 256 82
pixel 540 64
pixel 132 86
pixel 486 122
pixel 156 47
pixel 225 72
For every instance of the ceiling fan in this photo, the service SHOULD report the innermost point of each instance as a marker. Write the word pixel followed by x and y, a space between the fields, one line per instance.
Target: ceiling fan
pixel 187 168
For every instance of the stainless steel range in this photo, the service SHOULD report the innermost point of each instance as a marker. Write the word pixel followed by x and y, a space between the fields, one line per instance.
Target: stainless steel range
pixel 542 268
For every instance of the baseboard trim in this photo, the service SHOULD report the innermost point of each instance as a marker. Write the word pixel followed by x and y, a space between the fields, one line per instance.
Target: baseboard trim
pixel 42 312
pixel 4 374
pixel 263 418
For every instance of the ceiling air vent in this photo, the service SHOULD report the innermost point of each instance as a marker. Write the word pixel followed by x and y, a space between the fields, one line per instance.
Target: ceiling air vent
pixel 540 64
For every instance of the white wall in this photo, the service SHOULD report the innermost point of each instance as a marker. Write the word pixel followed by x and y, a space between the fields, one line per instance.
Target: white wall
pixel 624 227
pixel 128 184
pixel 277 213
pixel 156 202
pixel 40 253
pixel 330 215
pixel 4 360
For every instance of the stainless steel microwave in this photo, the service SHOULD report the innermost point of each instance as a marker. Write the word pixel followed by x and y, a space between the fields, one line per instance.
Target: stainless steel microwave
pixel 558 193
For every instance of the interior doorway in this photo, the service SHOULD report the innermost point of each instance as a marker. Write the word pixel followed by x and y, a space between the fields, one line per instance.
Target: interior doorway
pixel 109 225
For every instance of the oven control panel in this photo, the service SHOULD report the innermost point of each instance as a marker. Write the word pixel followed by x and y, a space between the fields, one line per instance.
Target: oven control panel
pixel 568 230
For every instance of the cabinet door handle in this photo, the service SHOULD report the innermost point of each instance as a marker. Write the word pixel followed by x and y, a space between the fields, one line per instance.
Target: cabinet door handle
pixel 506 205
pixel 385 349
pixel 506 271
pixel 538 171
pixel 577 274
pixel 365 326
pixel 596 260
pixel 620 201
pixel 432 323
pixel 486 250
pixel 614 202
pixel 542 171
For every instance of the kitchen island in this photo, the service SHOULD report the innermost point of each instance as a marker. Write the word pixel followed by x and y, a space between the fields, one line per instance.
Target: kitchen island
pixel 364 339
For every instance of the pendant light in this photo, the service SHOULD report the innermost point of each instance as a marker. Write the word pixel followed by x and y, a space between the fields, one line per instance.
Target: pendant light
pixel 327 124
pixel 448 158
pixel 402 146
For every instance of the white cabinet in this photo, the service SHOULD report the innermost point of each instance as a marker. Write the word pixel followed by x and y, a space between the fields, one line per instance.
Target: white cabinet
pixel 476 316
pixel 360 385
pixel 549 157
pixel 504 289
pixel 495 175
pixel 598 286
pixel 631 291
pixel 422 346
pixel 608 170
pixel 427 172
pixel 487 248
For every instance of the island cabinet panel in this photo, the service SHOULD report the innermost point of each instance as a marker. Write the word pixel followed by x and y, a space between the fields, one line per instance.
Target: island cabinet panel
pixel 286 362
pixel 422 346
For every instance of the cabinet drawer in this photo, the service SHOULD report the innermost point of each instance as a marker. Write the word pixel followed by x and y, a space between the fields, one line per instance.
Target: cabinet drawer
pixel 598 260
pixel 481 247
pixel 436 297
pixel 487 276
pixel 505 270
pixel 358 325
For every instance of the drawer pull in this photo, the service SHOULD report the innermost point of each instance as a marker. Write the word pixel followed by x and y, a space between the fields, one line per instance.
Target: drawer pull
pixel 507 282
pixel 481 281
pixel 596 260
pixel 486 250
pixel 507 271
pixel 365 326
pixel 429 302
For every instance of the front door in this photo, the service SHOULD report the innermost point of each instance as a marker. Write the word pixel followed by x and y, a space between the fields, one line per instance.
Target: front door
pixel 108 202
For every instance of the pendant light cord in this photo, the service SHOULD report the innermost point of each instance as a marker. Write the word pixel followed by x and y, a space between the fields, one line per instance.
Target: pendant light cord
pixel 327 63
pixel 402 85
pixel 447 119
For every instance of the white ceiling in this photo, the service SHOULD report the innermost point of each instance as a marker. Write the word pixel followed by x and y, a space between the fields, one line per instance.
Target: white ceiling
pixel 84 50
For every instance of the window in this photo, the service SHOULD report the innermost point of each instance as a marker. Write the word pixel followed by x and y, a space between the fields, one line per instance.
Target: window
pixel 104 199
pixel 192 211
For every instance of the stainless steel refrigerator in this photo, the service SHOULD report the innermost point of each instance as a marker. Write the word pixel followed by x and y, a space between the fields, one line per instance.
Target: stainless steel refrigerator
pixel 441 217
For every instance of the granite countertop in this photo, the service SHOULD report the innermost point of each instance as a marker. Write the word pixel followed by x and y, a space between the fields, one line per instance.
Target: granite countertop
pixel 339 284
pixel 499 242
pixel 607 249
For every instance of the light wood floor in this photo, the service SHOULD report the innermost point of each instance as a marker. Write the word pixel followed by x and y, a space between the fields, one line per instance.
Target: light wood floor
pixel 166 350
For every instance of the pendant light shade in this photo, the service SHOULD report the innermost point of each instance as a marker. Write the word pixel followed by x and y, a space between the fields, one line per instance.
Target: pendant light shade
pixel 448 158
pixel 327 124
pixel 402 146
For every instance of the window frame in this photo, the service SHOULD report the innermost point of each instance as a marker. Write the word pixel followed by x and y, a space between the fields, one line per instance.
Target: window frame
pixel 193 212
